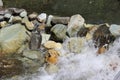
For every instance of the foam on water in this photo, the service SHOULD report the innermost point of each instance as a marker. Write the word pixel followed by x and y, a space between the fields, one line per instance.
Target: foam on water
pixel 86 65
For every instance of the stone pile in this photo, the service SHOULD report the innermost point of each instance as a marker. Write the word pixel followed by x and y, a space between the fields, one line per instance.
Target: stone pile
pixel 36 39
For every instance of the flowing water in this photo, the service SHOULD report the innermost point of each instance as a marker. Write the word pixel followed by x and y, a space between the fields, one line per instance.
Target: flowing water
pixel 86 65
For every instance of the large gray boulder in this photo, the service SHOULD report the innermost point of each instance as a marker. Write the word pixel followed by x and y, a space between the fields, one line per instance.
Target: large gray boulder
pixel 76 22
pixel 12 38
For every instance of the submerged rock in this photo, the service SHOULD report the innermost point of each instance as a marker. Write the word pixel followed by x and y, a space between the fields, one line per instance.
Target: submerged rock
pixel 58 32
pixel 10 67
pixel 76 22
pixel 12 38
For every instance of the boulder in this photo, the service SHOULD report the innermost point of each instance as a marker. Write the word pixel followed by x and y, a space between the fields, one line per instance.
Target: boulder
pixel 58 32
pixel 75 44
pixel 12 38
pixel 76 22
pixel 52 45
pixel 115 29
pixel 42 17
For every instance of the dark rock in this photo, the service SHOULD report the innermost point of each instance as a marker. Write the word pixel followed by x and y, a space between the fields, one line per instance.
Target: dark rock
pixel 82 32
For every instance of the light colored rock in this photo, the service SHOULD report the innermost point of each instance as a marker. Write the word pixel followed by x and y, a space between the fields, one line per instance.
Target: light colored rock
pixel 23 14
pixel 51 68
pixel 42 17
pixel 52 45
pixel 59 31
pixel 29 25
pixel 45 37
pixel 49 20
pixel 75 44
pixel 3 24
pixel 32 54
pixel 12 38
pixel 115 29
pixel 76 22
pixel 15 19
pixel 1 3
pixel 7 15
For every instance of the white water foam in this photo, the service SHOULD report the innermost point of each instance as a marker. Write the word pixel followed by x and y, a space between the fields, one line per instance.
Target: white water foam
pixel 86 65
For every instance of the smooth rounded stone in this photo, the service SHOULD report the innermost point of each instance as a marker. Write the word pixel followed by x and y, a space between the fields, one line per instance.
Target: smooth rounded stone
pixel 51 57
pixel 60 20
pixel 51 68
pixel 16 19
pixel 32 16
pixel 76 22
pixel 42 17
pixel 10 67
pixel 75 44
pixel 3 24
pixel 115 29
pixel 1 3
pixel 23 14
pixel 32 54
pixel 12 38
pixel 7 15
pixel 45 37
pixel 29 25
pixel 58 32
pixel 49 20
pixel 52 45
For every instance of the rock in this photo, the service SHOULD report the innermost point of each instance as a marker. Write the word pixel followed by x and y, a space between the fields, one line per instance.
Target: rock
pixel 23 14
pixel 82 32
pixel 7 15
pixel 1 18
pixel 115 29
pixel 51 68
pixel 49 20
pixel 75 44
pixel 51 57
pixel 35 55
pixel 10 67
pixel 60 20
pixel 41 27
pixel 3 24
pixel 58 32
pixel 35 40
pixel 45 37
pixel 12 38
pixel 76 22
pixel 33 16
pixel 15 19
pixel 1 3
pixel 102 36
pixel 42 17
pixel 52 45
pixel 29 25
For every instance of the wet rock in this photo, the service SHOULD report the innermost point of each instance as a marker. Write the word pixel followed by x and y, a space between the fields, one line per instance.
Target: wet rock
pixel 33 16
pixel 35 40
pixel 76 22
pixel 58 32
pixel 52 45
pixel 51 57
pixel 23 14
pixel 42 17
pixel 75 44
pixel 60 20
pixel 29 25
pixel 115 29
pixel 102 36
pixel 82 32
pixel 10 67
pixel 51 68
pixel 12 38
